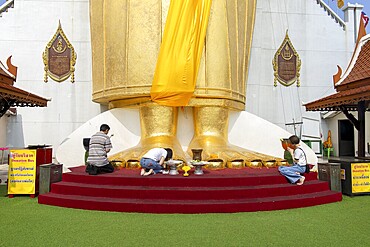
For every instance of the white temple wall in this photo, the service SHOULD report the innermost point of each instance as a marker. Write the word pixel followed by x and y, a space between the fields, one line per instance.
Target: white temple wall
pixel 26 30
pixel 321 44
pixel 3 123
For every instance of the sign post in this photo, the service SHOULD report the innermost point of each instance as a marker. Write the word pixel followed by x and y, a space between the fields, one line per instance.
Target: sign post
pixel 360 177
pixel 22 172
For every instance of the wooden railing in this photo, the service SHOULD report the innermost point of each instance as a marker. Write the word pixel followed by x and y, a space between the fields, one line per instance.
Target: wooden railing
pixel 5 6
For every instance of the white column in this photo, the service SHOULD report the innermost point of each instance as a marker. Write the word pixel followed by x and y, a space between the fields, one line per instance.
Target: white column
pixel 352 15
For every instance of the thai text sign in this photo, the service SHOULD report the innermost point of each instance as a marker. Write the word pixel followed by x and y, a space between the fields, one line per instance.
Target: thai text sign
pixel 286 64
pixel 360 177
pixel 59 58
pixel 22 172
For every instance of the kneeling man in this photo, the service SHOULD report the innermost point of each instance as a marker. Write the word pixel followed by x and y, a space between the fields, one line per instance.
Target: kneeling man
pixel 99 147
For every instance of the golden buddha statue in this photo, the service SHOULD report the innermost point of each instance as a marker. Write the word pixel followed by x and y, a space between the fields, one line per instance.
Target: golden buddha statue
pixel 328 143
pixel 126 37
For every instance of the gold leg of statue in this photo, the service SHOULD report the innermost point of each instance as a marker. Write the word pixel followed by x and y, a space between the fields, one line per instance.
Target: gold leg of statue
pixel 126 37
pixel 158 129
pixel 211 135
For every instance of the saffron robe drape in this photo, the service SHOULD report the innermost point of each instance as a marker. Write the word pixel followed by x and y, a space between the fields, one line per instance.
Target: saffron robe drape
pixel 180 52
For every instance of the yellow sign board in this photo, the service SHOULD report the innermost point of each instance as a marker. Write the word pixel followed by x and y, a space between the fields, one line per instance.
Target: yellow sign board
pixel 22 172
pixel 360 177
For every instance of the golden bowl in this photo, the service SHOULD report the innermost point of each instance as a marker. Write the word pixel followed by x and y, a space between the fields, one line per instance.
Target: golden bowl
pixel 283 163
pixel 118 164
pixel 235 164
pixel 254 164
pixel 132 164
pixel 215 164
pixel 270 163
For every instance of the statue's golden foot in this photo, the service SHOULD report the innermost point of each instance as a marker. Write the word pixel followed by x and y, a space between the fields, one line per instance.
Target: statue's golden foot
pixel 210 134
pixel 158 129
pixel 221 154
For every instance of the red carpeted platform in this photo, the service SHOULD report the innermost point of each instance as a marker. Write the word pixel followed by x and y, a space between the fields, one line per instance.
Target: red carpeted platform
pixel 217 191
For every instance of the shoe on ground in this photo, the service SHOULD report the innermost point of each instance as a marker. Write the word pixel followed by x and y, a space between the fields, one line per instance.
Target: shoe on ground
pixel 165 172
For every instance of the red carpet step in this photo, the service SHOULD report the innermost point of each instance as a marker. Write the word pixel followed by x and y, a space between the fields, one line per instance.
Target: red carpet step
pixel 221 191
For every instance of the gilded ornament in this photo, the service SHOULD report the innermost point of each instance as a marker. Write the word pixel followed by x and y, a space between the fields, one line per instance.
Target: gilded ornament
pixel 59 58
pixel 126 37
pixel 286 64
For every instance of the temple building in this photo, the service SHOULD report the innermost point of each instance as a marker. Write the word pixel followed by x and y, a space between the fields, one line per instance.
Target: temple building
pixel 309 30
pixel 12 97
pixel 352 96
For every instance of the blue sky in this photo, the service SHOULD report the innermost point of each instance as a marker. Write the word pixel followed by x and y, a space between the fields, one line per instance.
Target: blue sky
pixel 365 3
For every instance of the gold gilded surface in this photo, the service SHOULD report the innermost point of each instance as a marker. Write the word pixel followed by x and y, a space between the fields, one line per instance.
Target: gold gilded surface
pixel 286 64
pixel 59 58
pixel 97 44
pixel 126 36
pixel 195 102
pixel 215 164
pixel 186 168
pixel 158 129
pixel 270 163
pixel 236 164
pixel 254 164
pixel 132 164
pixel 223 72
pixel 282 163
pixel 211 134
pixel 118 164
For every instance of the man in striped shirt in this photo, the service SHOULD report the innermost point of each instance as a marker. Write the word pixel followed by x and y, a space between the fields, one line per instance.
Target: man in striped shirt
pixel 99 146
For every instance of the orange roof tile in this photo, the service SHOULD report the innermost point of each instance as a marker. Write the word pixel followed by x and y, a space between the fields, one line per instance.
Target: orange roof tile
pixel 348 98
pixel 353 87
pixel 361 69
pixel 3 72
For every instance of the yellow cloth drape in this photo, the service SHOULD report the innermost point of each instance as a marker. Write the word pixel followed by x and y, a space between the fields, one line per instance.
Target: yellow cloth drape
pixel 180 53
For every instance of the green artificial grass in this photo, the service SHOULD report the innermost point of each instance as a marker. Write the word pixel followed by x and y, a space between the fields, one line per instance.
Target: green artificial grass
pixel 24 222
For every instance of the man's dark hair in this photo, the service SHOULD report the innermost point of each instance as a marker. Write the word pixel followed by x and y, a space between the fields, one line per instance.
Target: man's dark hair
pixel 169 153
pixel 104 127
pixel 294 139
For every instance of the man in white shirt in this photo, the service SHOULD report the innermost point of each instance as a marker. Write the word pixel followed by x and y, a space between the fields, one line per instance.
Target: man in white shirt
pixel 153 161
pixel 294 173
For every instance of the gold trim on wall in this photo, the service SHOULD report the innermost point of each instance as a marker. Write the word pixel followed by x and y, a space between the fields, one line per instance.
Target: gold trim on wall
pixel 286 64
pixel 59 58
